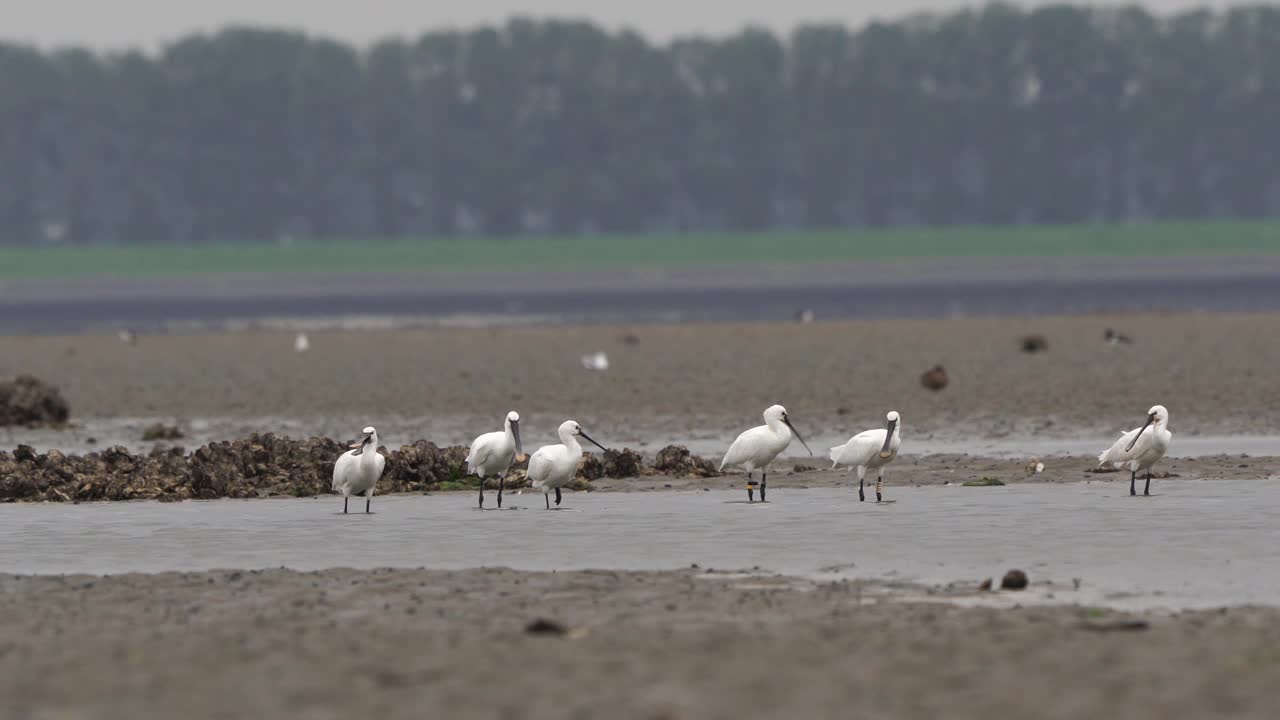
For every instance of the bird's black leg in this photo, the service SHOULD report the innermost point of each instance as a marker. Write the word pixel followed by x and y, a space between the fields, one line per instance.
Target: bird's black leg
pixel 879 484
pixel 547 497
pixel 557 497
pixel 368 498
pixel 862 496
pixel 482 492
pixel 501 481
pixel 751 488
pixel 1133 478
pixel 1147 490
pixel 764 480
pixel 345 498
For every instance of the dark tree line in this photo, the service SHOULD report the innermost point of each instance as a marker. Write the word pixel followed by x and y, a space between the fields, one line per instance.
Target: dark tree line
pixel 993 116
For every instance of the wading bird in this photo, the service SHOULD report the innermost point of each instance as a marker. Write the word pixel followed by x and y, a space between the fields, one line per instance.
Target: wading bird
pixel 1140 448
pixel 493 453
pixel 871 449
pixel 358 470
pixel 551 467
pixel 759 446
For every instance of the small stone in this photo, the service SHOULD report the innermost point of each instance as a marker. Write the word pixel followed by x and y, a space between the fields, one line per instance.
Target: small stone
pixel 542 626
pixel 1014 580
pixel 161 431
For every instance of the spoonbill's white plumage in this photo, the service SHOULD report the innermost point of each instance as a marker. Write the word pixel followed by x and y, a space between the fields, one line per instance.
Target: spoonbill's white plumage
pixel 551 467
pixel 872 449
pixel 1140 448
pixel 300 343
pixel 492 454
pixel 756 448
pixel 358 470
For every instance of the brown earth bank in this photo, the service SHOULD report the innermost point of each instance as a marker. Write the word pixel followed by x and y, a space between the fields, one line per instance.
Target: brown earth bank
pixel 1215 372
pixel 495 643
pixel 269 465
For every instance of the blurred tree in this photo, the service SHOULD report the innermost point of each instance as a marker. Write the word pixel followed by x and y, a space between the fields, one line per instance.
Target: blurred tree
pixel 990 115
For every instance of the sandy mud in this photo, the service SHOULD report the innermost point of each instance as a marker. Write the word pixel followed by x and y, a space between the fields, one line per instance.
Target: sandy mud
pixel 499 643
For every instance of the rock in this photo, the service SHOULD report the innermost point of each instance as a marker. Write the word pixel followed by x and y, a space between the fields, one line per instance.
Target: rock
pixel 1014 580
pixel 542 626
pixel 623 463
pixel 1114 338
pixel 30 402
pixel 934 378
pixel 985 585
pixel 797 469
pixel 1033 344
pixel 1124 625
pixel 265 465
pixel 591 467
pixel 161 431
pixel 676 461
pixel 423 465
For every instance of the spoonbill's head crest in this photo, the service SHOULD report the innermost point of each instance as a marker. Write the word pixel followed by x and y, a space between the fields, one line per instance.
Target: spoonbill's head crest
pixel 778 414
pixel 892 419
pixel 361 443
pixel 1158 415
pixel 572 428
pixel 513 422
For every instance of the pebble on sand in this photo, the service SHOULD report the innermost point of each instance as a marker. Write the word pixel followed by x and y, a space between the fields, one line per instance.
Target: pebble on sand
pixel 542 626
pixel 934 378
pixel 162 431
pixel 1034 343
pixel 1014 580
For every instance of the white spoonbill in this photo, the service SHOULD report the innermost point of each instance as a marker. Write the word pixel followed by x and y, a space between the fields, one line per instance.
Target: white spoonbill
pixel 1140 448
pixel 871 449
pixel 492 454
pixel 358 470
pixel 553 466
pixel 757 447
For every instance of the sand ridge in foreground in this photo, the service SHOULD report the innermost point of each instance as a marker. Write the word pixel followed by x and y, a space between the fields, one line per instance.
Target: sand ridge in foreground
pixel 401 643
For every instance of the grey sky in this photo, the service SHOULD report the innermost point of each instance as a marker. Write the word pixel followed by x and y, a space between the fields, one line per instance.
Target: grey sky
pixel 149 23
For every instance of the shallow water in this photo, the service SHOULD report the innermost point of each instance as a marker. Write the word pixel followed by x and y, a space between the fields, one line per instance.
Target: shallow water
pixel 1194 544
pixel 709 438
pixel 923 288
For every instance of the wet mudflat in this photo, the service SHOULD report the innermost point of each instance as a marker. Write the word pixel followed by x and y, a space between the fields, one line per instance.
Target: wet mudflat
pixel 1193 544
pixel 677 644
